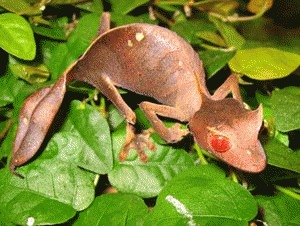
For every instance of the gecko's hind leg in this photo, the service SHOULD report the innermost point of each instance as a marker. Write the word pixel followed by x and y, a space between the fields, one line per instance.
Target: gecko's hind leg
pixel 138 142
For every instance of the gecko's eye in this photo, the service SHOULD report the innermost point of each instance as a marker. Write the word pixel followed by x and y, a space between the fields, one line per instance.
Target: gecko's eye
pixel 220 143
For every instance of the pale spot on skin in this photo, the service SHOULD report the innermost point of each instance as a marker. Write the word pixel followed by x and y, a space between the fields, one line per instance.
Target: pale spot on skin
pixel 249 152
pixel 129 43
pixel 180 63
pixel 139 36
pixel 26 121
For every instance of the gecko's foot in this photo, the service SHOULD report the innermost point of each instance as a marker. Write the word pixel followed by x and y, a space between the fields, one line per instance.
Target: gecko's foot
pixel 176 133
pixel 137 142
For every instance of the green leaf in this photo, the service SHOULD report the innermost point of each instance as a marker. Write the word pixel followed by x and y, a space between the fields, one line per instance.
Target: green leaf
pixel 119 19
pixel 281 156
pixel 286 108
pixel 11 88
pixel 214 61
pixel 211 37
pixel 173 2
pixel 280 210
pixel 61 2
pixel 19 7
pixel 114 209
pixel 222 7
pixel 56 175
pixel 31 73
pixel 20 203
pixel 259 6
pixel 266 101
pixel 53 30
pixel 18 39
pixel 231 36
pixel 94 6
pixel 6 144
pixel 114 117
pixel 202 196
pixel 271 34
pixel 264 63
pixel 76 45
pixel 125 6
pixel 190 28
pixel 93 133
pixel 146 179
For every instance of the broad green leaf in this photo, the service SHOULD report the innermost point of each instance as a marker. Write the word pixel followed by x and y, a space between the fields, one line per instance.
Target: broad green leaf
pixel 7 142
pixel 92 130
pixel 264 63
pixel 170 6
pixel 280 210
pixel 114 209
pixel 229 33
pixel 266 101
pixel 171 2
pixel 125 6
pixel 54 29
pixel 119 19
pixel 146 179
pixel 271 34
pixel 20 204
pixel 94 6
pixel 214 61
pixel 11 88
pixel 198 198
pixel 56 175
pixel 17 36
pixel 211 37
pixel 286 108
pixel 19 7
pixel 221 7
pixel 31 73
pixel 281 156
pixel 190 28
pixel 259 6
pixel 114 117
pixel 59 2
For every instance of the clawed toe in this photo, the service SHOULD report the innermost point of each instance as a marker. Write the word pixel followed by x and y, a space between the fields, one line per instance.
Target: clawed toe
pixel 138 142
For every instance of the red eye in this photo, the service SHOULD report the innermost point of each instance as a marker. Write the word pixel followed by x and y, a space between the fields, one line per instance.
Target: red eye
pixel 220 143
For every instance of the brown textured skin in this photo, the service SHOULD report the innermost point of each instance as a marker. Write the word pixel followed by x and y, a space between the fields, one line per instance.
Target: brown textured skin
pixel 162 65
pixel 156 62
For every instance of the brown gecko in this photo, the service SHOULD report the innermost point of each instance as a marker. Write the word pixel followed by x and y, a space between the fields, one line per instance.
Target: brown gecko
pixel 152 61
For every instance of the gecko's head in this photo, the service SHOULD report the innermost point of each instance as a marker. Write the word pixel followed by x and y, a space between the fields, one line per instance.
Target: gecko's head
pixel 230 132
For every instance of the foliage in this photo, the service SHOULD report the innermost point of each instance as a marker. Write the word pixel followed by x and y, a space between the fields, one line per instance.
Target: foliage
pixel 72 178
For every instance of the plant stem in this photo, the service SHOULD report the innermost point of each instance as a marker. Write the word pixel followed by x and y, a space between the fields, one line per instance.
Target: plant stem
pixel 233 176
pixel 102 107
pixel 96 180
pixel 200 154
pixel 288 192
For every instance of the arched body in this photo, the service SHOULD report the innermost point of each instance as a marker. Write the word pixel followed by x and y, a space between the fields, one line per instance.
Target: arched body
pixel 156 62
pixel 149 60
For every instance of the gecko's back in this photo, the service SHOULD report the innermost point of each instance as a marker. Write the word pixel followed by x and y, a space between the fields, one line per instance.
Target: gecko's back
pixel 153 61
pixel 149 60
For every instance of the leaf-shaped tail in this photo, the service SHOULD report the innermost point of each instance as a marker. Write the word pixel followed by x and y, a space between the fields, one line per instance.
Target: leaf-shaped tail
pixel 36 117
